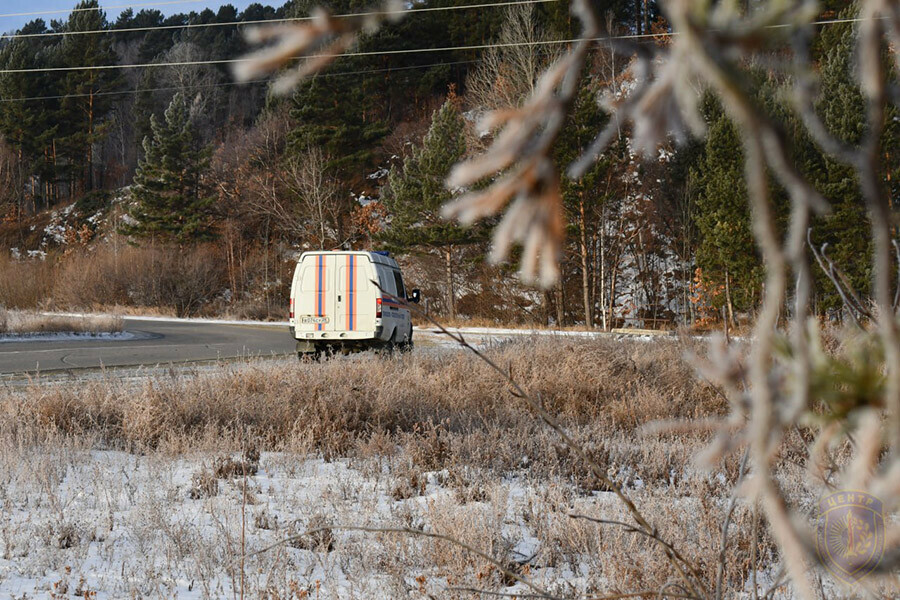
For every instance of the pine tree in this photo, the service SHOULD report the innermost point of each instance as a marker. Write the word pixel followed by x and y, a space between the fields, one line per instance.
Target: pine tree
pixel 583 198
pixel 84 107
pixel 415 194
pixel 842 108
pixel 727 253
pixel 172 200
pixel 30 127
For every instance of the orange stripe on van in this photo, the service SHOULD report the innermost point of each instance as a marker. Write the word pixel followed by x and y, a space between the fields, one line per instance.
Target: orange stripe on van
pixel 320 292
pixel 353 298
pixel 349 286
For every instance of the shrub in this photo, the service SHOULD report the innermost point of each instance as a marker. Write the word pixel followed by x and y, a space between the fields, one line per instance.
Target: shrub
pixel 25 283
pixel 180 279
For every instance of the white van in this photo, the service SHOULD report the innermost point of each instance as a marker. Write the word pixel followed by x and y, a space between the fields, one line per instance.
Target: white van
pixel 336 307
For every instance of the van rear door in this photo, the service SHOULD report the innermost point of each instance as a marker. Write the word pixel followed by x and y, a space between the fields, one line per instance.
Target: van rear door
pixel 315 304
pixel 355 302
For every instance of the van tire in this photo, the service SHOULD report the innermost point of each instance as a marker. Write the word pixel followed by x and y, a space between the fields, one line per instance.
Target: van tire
pixel 388 348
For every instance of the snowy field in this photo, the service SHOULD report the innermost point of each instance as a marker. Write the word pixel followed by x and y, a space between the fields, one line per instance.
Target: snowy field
pixel 137 487
pixel 103 524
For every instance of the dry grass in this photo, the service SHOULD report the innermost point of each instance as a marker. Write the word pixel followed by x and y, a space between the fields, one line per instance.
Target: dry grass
pixel 463 322
pixel 149 276
pixel 19 322
pixel 148 279
pixel 440 440
pixel 25 284
pixel 608 386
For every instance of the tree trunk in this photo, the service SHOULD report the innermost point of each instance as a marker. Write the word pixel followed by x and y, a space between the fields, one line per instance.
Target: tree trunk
pixel 728 297
pixel 55 184
pixel 585 281
pixel 232 273
pixel 560 303
pixel 646 17
pixel 612 293
pixel 266 269
pixel 451 293
pixel 603 276
pixel 89 179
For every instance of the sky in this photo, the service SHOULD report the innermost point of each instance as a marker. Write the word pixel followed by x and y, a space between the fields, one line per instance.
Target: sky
pixel 10 20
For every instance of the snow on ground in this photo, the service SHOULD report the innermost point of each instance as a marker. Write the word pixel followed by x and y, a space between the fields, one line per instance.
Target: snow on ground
pixel 102 524
pixel 498 332
pixel 120 336
pixel 118 525
pixel 171 319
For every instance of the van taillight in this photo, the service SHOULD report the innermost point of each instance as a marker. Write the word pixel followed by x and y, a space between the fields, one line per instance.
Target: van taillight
pixel 377 308
pixel 292 308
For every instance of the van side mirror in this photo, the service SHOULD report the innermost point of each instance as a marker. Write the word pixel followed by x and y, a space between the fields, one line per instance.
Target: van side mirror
pixel 416 296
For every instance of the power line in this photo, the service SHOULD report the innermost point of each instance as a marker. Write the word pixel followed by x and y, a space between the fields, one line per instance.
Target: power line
pixel 230 83
pixel 232 61
pixel 265 21
pixel 65 11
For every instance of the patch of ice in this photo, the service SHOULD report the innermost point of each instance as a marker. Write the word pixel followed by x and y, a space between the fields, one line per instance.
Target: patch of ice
pixel 173 319
pixel 67 337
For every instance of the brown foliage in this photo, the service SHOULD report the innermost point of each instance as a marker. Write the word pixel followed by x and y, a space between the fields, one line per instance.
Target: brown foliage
pixel 182 279
pixel 441 408
pixel 25 284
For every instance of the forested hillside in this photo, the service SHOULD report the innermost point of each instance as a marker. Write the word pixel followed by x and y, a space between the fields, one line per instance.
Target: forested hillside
pixel 135 171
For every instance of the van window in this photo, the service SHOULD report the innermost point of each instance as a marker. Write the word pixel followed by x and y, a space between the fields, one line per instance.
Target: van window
pixel 398 282
pixel 386 280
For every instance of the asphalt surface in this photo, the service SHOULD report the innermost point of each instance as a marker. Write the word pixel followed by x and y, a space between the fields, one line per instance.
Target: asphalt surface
pixel 154 343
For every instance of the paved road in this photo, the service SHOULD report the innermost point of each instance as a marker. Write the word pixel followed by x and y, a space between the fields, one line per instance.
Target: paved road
pixel 162 343
pixel 154 343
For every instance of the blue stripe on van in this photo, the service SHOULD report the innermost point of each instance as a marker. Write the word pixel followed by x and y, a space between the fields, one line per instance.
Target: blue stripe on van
pixel 351 291
pixel 320 287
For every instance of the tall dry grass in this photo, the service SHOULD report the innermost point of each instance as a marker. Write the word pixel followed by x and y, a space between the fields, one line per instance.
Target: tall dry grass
pixel 25 284
pixel 184 281
pixel 608 386
pixel 445 416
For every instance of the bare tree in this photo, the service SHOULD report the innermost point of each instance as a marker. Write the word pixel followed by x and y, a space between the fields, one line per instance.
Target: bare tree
pixel 296 191
pixel 315 212
pixel 508 72
pixel 194 80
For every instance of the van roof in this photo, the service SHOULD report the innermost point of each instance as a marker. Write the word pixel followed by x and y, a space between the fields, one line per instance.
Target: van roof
pixel 374 257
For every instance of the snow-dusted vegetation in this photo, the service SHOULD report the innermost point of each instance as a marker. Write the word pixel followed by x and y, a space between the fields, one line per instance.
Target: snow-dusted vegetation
pixel 21 324
pixel 255 479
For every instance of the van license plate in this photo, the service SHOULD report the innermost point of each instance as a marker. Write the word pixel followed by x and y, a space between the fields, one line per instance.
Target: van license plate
pixel 313 320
